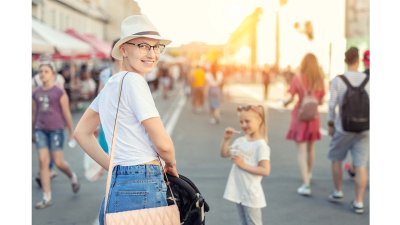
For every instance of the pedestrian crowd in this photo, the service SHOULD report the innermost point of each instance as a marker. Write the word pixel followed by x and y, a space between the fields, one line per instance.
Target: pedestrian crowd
pixel 121 130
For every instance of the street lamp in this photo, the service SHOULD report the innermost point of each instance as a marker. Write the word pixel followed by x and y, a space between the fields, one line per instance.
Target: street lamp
pixel 277 34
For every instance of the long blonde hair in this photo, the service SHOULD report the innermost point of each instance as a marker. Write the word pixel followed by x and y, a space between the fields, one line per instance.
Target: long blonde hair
pixel 310 73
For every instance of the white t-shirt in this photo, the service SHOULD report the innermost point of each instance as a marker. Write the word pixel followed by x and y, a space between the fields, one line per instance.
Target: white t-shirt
pixel 133 145
pixel 243 187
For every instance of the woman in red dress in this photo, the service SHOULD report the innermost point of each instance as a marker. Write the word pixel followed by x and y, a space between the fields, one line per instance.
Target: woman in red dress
pixel 305 133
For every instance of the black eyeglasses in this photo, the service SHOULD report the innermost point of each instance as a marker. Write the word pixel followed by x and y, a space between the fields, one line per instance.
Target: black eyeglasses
pixel 145 48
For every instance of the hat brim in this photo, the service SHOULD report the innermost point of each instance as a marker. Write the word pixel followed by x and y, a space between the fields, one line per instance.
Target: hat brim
pixel 116 53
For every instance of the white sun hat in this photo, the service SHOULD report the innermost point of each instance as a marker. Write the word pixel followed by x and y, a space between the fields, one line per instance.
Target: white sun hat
pixel 136 26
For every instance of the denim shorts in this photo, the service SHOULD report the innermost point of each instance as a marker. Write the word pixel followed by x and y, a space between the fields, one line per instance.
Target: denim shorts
pixel 135 187
pixel 50 139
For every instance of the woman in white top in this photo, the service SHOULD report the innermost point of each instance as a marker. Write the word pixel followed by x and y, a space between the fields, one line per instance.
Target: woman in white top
pixel 137 179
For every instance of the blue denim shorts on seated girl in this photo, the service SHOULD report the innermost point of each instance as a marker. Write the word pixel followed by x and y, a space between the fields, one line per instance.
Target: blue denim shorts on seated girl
pixel 51 139
pixel 135 187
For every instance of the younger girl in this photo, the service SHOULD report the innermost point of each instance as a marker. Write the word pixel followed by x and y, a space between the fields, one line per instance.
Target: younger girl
pixel 250 156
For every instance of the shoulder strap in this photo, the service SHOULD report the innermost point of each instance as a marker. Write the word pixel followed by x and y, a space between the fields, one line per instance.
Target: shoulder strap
pixel 362 85
pixel 346 81
pixel 110 166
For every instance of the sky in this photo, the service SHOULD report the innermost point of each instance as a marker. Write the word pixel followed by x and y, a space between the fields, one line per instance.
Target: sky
pixel 209 21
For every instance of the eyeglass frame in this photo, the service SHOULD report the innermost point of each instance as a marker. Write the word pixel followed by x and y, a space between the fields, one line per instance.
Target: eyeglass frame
pixel 151 46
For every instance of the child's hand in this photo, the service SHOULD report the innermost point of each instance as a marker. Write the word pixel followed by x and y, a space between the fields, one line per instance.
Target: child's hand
pixel 238 161
pixel 229 131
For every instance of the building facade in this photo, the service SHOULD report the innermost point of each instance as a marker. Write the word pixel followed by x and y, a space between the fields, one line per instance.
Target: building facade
pixel 101 18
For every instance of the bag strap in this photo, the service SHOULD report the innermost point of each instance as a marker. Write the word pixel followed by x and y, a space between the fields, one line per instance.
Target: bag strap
pixel 347 82
pixel 110 167
pixel 306 92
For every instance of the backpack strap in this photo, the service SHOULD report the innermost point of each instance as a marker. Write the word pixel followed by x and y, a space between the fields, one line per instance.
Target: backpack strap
pixel 347 82
pixel 362 85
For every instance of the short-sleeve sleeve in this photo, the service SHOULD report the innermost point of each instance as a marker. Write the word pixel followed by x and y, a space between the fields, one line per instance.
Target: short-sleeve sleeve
pixel 294 86
pixel 95 104
pixel 139 98
pixel 263 152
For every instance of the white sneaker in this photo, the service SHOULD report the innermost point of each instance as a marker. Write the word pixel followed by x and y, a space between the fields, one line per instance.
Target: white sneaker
pixel 304 190
pixel 336 196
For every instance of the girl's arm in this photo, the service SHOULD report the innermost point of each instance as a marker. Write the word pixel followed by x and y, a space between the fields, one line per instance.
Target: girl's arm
pixel 263 168
pixel 67 114
pixel 162 142
pixel 290 100
pixel 226 142
pixel 84 135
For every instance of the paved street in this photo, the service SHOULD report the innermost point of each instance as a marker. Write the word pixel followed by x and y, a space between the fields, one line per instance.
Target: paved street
pixel 197 151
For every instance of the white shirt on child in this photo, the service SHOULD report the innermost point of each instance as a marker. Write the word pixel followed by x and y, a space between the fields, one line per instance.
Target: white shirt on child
pixel 244 187
pixel 133 144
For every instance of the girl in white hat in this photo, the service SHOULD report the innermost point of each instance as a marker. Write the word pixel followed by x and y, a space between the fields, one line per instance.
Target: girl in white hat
pixel 137 178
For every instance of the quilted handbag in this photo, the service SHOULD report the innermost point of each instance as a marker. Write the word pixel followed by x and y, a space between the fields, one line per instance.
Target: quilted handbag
pixel 166 215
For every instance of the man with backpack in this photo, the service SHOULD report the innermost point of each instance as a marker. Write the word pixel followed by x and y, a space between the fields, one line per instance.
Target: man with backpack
pixel 349 128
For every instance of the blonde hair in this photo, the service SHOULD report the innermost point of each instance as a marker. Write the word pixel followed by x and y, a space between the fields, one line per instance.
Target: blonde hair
pixel 261 114
pixel 311 73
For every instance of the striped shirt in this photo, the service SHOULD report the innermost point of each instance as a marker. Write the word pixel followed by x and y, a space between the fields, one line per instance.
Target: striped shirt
pixel 337 90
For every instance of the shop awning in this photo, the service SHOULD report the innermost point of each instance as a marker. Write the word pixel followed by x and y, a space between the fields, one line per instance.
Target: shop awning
pixel 40 46
pixel 101 47
pixel 63 43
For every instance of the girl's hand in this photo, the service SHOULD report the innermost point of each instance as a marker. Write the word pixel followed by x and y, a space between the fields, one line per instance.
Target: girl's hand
pixel 229 131
pixel 238 161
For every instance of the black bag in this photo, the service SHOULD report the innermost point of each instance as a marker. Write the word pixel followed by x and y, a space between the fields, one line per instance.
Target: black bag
pixel 355 108
pixel 190 202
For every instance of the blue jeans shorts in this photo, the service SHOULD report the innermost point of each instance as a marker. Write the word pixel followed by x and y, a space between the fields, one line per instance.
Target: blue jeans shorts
pixel 50 139
pixel 135 187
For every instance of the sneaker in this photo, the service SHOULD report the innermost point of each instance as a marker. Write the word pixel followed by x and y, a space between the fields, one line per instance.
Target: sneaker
pixel 75 183
pixel 43 204
pixel 336 196
pixel 304 190
pixel 53 173
pixel 356 209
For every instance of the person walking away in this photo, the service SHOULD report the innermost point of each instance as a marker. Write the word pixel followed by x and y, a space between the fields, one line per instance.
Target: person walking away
pixel 349 128
pixel 214 80
pixel 50 114
pixel 141 136
pixel 306 132
pixel 348 166
pixel 198 80
pixel 165 80
pixel 250 155
pixel 266 76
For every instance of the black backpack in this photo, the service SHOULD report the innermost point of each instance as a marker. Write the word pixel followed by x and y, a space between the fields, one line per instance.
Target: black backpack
pixel 355 108
pixel 190 202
